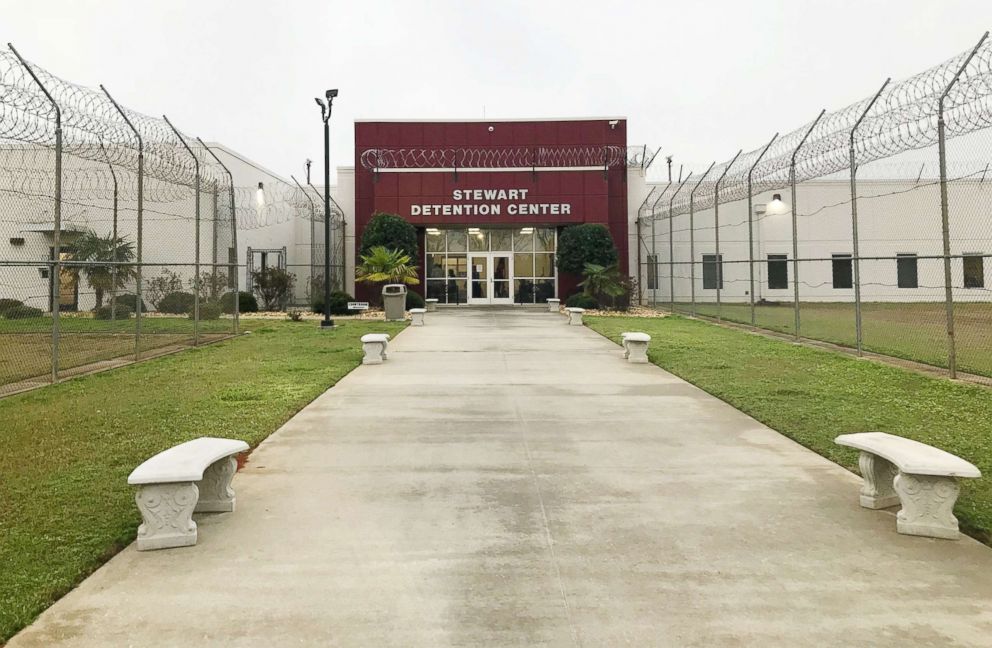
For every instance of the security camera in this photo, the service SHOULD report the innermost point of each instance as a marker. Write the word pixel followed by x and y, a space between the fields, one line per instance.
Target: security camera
pixel 330 94
pixel 613 123
pixel 491 129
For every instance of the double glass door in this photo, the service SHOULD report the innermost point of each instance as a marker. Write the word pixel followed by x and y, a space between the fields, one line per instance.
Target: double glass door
pixel 490 278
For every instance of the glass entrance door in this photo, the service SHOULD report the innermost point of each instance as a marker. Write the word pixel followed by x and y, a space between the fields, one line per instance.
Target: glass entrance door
pixel 491 279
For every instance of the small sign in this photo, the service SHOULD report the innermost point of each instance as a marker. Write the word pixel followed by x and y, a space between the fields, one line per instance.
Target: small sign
pixel 358 305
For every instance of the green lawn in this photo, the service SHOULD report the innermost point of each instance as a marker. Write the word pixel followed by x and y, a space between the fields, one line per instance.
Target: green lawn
pixel 913 331
pixel 66 450
pixel 26 344
pixel 812 395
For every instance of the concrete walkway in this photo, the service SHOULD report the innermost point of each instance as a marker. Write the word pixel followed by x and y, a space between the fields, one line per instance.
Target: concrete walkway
pixel 507 480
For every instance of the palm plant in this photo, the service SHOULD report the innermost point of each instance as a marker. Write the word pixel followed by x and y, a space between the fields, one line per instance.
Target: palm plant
pixel 603 280
pixel 105 255
pixel 382 264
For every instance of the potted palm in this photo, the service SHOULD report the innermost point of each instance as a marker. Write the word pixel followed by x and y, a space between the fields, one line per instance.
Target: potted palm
pixel 384 265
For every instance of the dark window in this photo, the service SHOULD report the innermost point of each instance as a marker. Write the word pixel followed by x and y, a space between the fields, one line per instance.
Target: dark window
pixel 842 271
pixel 974 271
pixel 778 271
pixel 652 272
pixel 906 271
pixel 712 271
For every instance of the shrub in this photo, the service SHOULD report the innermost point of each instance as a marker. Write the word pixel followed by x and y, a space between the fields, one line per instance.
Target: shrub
pixel 156 288
pixel 414 300
pixel 389 231
pixel 106 312
pixel 579 300
pixel 130 301
pixel 582 244
pixel 295 315
pixel 176 303
pixel 208 311
pixel 339 303
pixel 274 286
pixel 246 303
pixel 22 312
pixel 6 304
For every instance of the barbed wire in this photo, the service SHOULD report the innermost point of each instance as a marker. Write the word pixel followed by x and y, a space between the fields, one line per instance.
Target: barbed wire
pixel 903 118
pixel 494 157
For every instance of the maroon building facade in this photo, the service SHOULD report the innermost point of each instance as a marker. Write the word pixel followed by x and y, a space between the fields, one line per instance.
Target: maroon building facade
pixel 489 198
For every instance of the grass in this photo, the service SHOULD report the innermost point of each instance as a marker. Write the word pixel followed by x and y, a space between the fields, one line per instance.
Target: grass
pixel 812 395
pixel 26 344
pixel 913 331
pixel 67 449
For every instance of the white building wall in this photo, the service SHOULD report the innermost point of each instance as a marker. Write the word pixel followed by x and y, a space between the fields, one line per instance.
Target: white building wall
pixel 895 217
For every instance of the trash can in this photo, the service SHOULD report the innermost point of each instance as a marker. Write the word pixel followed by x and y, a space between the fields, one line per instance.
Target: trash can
pixel 394 301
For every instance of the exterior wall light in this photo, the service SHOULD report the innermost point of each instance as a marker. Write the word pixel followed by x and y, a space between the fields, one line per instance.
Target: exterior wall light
pixel 777 206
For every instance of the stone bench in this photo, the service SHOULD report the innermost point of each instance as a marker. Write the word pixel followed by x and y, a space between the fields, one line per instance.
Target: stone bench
pixel 920 477
pixel 192 477
pixel 375 346
pixel 575 315
pixel 635 346
pixel 553 305
pixel 417 315
pixel 431 305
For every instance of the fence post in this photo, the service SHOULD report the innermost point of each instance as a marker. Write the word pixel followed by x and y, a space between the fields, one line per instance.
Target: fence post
pixel 795 225
pixel 716 233
pixel 196 237
pixel 213 237
pixel 55 266
pixel 234 235
pixel 692 241
pixel 138 244
pixel 945 215
pixel 750 225
pixel 313 211
pixel 113 238
pixel 855 252
pixel 671 236
pixel 654 250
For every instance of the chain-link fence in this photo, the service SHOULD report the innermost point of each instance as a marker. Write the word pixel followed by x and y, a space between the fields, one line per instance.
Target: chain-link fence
pixel 119 235
pixel 869 227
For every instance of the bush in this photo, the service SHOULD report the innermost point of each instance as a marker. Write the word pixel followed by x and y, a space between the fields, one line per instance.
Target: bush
pixel 246 303
pixel 208 311
pixel 106 312
pixel 414 300
pixel 389 231
pixel 274 286
pixel 176 303
pixel 156 288
pixel 22 312
pixel 6 304
pixel 579 300
pixel 131 302
pixel 582 244
pixel 339 303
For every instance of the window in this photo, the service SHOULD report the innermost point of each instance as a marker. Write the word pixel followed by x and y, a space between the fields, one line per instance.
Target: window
pixel 842 271
pixel 652 271
pixel 906 271
pixel 712 271
pixel 778 271
pixel 974 270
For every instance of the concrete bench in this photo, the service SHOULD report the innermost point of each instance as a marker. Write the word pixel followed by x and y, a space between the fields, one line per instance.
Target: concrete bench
pixel 553 305
pixel 575 316
pixel 431 305
pixel 635 346
pixel 920 477
pixel 417 315
pixel 192 477
pixel 375 346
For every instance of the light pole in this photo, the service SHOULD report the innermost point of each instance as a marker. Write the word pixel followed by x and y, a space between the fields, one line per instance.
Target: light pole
pixel 325 115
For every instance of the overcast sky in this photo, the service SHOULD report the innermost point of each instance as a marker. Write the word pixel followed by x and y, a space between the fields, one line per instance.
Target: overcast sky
pixel 699 79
